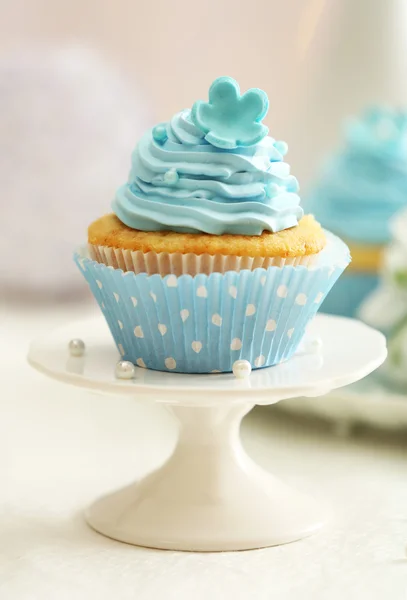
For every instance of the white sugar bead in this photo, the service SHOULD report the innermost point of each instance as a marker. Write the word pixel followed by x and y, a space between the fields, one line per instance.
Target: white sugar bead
pixel 242 369
pixel 76 347
pixel 125 370
pixel 313 344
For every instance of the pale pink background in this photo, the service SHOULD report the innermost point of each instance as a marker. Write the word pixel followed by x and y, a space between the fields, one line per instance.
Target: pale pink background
pixel 175 48
pixel 318 60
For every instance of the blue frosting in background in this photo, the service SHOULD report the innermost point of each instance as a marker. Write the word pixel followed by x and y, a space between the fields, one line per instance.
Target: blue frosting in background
pixel 196 174
pixel 362 187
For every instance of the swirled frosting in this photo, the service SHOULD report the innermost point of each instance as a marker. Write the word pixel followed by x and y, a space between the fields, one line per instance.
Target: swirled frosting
pixel 365 184
pixel 180 181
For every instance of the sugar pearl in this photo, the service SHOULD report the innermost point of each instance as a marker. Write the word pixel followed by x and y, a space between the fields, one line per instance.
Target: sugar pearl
pixel 242 369
pixel 314 345
pixel 76 347
pixel 125 370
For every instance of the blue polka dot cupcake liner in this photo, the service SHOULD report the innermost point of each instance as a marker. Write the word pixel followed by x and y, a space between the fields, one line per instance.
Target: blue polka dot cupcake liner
pixel 204 323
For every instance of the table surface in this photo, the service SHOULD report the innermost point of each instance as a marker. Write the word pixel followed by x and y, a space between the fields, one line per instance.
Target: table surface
pixel 63 447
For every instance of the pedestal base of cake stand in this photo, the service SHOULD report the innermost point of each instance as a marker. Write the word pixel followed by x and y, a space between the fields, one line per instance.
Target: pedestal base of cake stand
pixel 209 496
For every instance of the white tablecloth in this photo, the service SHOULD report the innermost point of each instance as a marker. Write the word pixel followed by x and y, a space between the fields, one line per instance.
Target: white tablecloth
pixel 62 447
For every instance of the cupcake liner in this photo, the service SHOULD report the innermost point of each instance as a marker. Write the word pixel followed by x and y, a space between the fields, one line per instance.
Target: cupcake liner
pixel 165 263
pixel 205 323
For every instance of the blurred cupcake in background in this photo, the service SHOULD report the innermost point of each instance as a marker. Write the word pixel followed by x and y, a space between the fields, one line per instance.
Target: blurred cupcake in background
pixel 386 308
pixel 360 189
pixel 208 257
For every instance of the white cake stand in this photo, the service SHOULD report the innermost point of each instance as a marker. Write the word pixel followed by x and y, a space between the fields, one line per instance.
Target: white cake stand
pixel 209 495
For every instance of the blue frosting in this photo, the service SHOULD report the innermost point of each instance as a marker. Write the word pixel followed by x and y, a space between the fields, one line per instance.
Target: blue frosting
pixel 211 178
pixel 362 187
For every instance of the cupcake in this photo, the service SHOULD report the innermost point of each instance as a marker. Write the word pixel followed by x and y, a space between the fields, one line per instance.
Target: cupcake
pixel 360 189
pixel 207 257
pixel 386 308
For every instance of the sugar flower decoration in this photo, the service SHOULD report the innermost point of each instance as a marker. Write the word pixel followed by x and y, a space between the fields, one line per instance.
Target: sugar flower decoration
pixel 230 120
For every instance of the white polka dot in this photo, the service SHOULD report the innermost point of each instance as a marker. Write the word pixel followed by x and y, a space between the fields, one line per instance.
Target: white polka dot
pixel 282 291
pixel 250 310
pixel 184 314
pixel 271 325
pixel 202 292
pixel 120 324
pixel 172 281
pixel 236 344
pixel 103 305
pixel 331 271
pixel 170 363
pixel 134 300
pixel 259 361
pixel 233 291
pixel 290 332
pixel 140 362
pixel 81 262
pixel 217 319
pixel 263 279
pixel 318 297
pixel 301 299
pixel 196 346
pixel 162 328
pixel 138 332
pixel 116 296
pixel 100 284
pixel 121 349
pixel 154 297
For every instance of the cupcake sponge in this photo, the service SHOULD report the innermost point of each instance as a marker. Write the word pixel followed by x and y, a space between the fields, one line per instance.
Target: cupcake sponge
pixel 305 239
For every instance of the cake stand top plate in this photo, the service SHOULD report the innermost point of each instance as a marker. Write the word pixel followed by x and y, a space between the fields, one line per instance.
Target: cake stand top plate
pixel 350 350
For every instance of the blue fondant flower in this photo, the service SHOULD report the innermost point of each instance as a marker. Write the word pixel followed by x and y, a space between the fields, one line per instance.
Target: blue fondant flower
pixel 229 119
